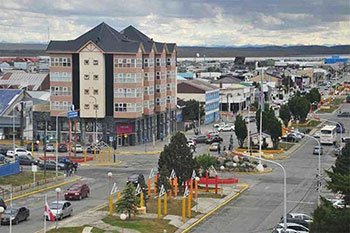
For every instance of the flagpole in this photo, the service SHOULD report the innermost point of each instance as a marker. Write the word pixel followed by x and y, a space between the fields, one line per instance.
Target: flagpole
pixel 45 201
pixel 261 109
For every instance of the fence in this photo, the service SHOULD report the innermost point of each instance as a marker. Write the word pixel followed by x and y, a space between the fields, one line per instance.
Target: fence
pixel 9 169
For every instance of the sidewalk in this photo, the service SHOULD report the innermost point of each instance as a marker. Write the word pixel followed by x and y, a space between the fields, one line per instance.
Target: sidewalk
pixel 206 207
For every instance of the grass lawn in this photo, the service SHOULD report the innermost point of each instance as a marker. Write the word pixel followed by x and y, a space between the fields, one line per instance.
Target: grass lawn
pixel 74 230
pixel 24 177
pixel 310 123
pixel 337 101
pixel 285 145
pixel 327 110
pixel 174 206
pixel 143 225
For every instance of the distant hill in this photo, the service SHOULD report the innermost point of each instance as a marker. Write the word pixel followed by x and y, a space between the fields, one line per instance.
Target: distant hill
pixel 19 49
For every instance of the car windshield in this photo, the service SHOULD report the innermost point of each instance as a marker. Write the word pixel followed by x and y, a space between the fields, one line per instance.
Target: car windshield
pixel 326 131
pixel 56 206
pixel 74 188
pixel 10 211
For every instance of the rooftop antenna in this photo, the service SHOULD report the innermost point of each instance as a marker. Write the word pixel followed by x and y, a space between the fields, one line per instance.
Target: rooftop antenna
pixel 48 34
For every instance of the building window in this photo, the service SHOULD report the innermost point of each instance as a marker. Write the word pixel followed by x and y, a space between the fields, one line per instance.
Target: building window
pixel 158 61
pixel 120 107
pixel 86 106
pixel 168 61
pixel 95 106
pixel 145 76
pixel 95 77
pixel 86 62
pixel 158 74
pixel 86 76
pixel 145 62
pixel 95 91
pixel 86 91
pixel 158 101
pixel 95 62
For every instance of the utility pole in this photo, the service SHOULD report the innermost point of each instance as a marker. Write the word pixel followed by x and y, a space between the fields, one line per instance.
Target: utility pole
pixel 22 123
pixel 45 134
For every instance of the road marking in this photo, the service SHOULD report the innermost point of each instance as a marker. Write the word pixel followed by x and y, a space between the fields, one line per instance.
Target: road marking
pixel 44 189
pixel 303 202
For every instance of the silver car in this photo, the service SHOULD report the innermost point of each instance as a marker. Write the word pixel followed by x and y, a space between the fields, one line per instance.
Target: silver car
pixel 60 209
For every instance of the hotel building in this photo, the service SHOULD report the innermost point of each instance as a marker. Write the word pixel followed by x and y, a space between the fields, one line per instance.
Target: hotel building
pixel 122 82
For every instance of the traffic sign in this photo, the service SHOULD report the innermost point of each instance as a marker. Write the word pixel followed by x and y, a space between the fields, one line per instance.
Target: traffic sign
pixel 72 114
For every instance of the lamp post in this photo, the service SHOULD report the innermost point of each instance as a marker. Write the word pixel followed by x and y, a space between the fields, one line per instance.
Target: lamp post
pixel 319 168
pixel 123 218
pixel 197 180
pixel 109 174
pixel 57 190
pixel 222 168
pixel 96 138
pixel 56 149
pixel 1 212
pixel 284 189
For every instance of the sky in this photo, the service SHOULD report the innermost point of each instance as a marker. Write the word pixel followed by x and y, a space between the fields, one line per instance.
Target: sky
pixel 185 22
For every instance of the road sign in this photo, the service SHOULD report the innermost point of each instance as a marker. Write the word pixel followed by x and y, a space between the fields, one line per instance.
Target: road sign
pixel 72 114
pixel 111 138
pixel 34 168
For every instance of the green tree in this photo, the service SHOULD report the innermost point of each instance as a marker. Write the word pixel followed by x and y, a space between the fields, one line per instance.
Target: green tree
pixel 299 107
pixel 275 131
pixel 340 174
pixel 240 130
pixel 285 114
pixel 287 82
pixel 190 111
pixel 177 155
pixel 129 201
pixel 313 96
pixel 327 219
pixel 205 161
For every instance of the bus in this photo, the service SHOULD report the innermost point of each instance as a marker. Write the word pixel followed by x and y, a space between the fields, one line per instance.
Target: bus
pixel 328 135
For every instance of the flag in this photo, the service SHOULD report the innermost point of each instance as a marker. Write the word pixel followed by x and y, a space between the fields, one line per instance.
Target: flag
pixel 49 213
pixel 212 170
pixel 153 173
pixel 187 192
pixel 172 174
pixel 162 191
pixel 138 190
pixel 114 189
pixel 193 175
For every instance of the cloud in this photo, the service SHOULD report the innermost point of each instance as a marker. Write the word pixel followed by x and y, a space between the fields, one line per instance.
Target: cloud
pixel 186 22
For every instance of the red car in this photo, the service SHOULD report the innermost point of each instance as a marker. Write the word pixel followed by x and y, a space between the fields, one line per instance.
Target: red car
pixel 77 192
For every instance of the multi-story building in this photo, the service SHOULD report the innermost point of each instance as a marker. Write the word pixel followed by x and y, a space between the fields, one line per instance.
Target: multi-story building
pixel 124 81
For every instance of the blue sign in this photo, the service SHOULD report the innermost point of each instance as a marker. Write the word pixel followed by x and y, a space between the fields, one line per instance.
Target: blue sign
pixel 72 114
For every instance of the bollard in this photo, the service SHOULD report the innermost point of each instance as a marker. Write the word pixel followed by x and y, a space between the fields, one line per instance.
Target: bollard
pixel 155 185
pixel 206 181
pixel 216 184
pixel 189 206
pixel 191 188
pixel 149 187
pixel 165 204
pixel 110 204
pixel 195 188
pixel 142 203
pixel 159 206
pixel 118 196
pixel 175 187
pixel 183 209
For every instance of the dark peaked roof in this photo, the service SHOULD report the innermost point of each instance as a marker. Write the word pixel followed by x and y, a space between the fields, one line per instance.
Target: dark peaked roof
pixel 133 34
pixel 104 36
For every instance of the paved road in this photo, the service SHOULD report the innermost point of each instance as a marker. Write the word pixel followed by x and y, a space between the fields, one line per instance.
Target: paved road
pixel 261 206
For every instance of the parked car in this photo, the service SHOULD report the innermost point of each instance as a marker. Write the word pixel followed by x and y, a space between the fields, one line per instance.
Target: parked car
pixel 201 139
pixel 18 151
pixel 212 133
pixel 227 128
pixel 60 209
pixel 280 230
pixel 344 114
pixel 317 134
pixel 248 119
pixel 221 124
pixel 77 148
pixel 298 133
pixel 212 139
pixel 297 221
pixel 15 215
pixel 27 160
pixel 317 150
pixel 340 128
pixel 4 149
pixel 294 226
pixel 2 203
pixel 3 159
pixel 67 162
pixel 346 139
pixel 293 137
pixel 214 146
pixel 34 145
pixel 49 148
pixel 136 179
pixel 302 216
pixel 51 165
pixel 62 147
pixel 77 191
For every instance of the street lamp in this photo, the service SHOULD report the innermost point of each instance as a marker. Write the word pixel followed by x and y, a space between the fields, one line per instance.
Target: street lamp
pixel 319 168
pixel 123 218
pixel 284 189
pixel 222 168
pixel 95 107
pixel 109 174
pixel 2 209
pixel 57 190
pixel 197 180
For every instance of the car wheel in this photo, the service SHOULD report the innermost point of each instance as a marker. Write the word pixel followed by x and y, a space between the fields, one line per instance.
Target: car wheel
pixel 15 222
pixel 60 217
pixel 80 197
pixel 87 194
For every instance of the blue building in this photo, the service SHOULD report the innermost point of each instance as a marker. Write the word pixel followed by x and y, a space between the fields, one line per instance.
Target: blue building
pixel 335 59
pixel 208 95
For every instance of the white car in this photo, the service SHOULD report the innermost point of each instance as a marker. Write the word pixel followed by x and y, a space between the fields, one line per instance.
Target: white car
pixel 338 203
pixel 280 230
pixel 18 152
pixel 298 133
pixel 60 209
pixel 221 124
pixel 226 128
pixel 294 226
pixel 77 148
pixel 191 143
pixel 317 134
pixel 305 217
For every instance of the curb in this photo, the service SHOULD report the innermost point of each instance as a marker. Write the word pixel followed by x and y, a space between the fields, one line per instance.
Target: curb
pixel 117 163
pixel 267 170
pixel 138 152
pixel 245 187
pixel 44 189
